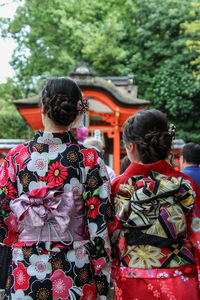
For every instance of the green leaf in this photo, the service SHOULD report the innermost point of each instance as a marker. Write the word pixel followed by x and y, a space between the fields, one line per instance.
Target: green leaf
pixel 85 195
pixel 96 192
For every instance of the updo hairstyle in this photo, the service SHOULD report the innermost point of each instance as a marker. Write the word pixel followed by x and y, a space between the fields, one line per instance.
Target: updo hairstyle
pixel 59 97
pixel 148 129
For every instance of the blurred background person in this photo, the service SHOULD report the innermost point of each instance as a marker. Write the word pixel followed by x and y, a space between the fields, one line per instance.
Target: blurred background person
pixel 190 161
pixel 92 141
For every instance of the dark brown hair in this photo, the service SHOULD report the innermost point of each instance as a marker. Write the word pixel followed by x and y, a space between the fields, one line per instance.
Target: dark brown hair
pixel 59 97
pixel 191 153
pixel 149 130
pixel 124 164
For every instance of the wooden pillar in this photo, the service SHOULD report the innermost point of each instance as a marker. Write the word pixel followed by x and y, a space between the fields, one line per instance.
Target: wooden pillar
pixel 116 144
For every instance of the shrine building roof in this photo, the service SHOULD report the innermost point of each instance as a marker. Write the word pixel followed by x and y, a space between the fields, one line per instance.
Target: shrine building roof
pixel 119 88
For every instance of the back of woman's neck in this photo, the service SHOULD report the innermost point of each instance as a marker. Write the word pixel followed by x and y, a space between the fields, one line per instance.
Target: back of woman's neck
pixel 51 126
pixel 55 128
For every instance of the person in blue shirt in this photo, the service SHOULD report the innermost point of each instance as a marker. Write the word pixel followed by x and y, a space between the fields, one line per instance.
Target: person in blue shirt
pixel 190 161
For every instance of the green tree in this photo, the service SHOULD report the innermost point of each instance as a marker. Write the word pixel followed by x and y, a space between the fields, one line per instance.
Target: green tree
pixel 116 37
pixel 12 124
pixel 178 95
pixel 53 35
pixel 161 62
pixel 193 29
pixel 12 89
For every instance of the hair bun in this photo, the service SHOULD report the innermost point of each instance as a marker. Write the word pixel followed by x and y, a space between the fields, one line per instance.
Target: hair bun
pixel 62 110
pixel 148 129
pixel 60 97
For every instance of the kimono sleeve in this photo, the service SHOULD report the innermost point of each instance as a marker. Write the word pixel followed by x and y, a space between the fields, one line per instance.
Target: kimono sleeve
pixel 8 191
pixel 99 214
pixel 194 229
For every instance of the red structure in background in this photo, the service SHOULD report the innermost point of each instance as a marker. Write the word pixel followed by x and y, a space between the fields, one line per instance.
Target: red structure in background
pixel 111 101
pixel 177 145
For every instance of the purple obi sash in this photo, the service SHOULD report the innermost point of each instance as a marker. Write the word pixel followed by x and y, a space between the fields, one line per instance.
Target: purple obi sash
pixel 49 215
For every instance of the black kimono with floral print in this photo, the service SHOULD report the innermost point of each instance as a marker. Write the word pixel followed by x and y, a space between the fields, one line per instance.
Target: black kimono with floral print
pixel 55 267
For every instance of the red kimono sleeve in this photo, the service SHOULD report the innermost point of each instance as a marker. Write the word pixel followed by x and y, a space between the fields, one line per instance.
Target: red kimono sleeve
pixel 8 191
pixel 194 229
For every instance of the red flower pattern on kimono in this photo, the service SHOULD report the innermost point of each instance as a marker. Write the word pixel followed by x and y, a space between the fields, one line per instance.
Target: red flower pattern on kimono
pixel 22 157
pixel 21 277
pixel 98 264
pixel 11 222
pixel 4 174
pixel 89 292
pixel 93 205
pixel 61 285
pixel 9 190
pixel 90 156
pixel 56 173
pixel 11 238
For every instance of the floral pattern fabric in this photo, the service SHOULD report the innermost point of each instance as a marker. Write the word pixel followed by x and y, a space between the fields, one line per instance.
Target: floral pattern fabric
pixel 166 284
pixel 55 268
pixel 153 223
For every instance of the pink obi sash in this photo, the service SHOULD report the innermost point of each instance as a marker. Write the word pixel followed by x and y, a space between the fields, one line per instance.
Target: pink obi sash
pixel 49 215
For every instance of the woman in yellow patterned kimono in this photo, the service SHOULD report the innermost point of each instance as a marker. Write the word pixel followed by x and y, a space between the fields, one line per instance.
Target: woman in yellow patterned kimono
pixel 157 227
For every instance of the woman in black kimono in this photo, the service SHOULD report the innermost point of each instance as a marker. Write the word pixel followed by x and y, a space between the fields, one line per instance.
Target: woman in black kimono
pixel 55 206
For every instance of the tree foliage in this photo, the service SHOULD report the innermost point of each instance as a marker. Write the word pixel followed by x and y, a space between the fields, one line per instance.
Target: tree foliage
pixel 53 35
pixel 194 30
pixel 12 124
pixel 116 37
pixel 11 90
